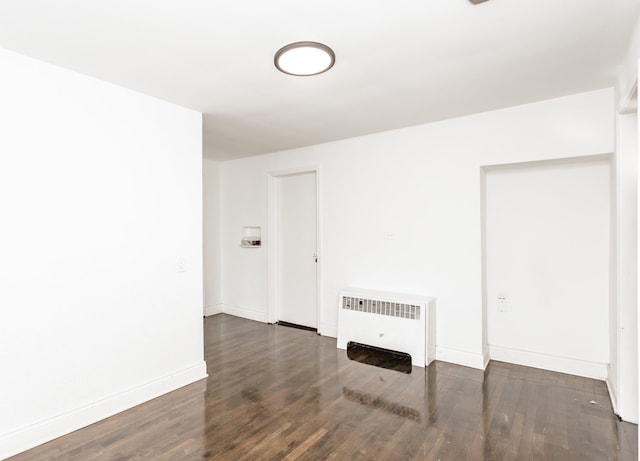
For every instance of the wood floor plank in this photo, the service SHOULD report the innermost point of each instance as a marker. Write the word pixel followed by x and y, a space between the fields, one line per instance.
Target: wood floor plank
pixel 277 393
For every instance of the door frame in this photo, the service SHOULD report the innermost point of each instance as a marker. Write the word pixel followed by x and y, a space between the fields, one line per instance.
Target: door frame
pixel 272 240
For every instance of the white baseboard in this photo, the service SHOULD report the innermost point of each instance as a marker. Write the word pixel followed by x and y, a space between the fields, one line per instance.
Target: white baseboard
pixel 630 415
pixel 613 397
pixel 486 356
pixel 213 310
pixel 43 431
pixel 458 357
pixel 576 367
pixel 328 330
pixel 245 313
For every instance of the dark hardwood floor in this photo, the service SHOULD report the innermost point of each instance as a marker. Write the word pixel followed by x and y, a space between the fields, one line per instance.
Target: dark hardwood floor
pixel 277 393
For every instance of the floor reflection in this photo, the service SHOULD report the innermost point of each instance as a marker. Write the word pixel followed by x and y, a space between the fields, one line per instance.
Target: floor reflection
pixel 278 393
pixel 370 400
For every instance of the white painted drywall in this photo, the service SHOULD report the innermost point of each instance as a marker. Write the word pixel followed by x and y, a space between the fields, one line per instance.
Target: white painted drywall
pixel 547 234
pixel 421 184
pixel 212 227
pixel 244 281
pixel 623 375
pixel 613 371
pixel 628 71
pixel 638 276
pixel 627 265
pixel 100 196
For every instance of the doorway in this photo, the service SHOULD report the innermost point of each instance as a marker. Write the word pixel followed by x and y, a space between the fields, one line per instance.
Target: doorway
pixel 294 248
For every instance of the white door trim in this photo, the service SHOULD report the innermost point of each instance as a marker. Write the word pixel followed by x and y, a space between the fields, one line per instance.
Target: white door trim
pixel 272 241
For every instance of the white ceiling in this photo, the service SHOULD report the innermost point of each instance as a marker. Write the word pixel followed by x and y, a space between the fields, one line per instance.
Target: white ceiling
pixel 398 63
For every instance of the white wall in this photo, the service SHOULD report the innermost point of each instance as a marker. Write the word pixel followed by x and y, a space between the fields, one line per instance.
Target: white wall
pixel 212 227
pixel 637 388
pixel 623 379
pixel 547 234
pixel 100 194
pixel 627 266
pixel 628 71
pixel 421 183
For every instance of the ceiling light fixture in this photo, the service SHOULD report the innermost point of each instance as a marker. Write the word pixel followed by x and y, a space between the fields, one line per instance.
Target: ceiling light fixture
pixel 304 58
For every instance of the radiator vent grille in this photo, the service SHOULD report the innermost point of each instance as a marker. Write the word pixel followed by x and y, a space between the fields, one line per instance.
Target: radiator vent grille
pixel 388 308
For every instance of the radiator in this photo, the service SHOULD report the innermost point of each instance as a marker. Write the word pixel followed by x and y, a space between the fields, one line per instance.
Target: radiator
pixel 396 321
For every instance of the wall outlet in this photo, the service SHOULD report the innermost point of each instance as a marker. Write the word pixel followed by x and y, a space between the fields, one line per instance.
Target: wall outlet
pixel 388 235
pixel 502 304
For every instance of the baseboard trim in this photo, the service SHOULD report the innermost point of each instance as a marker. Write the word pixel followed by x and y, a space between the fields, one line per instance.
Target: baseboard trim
pixel 486 356
pixel 612 396
pixel 485 361
pixel 213 310
pixel 328 330
pixel 43 431
pixel 458 357
pixel 570 366
pixel 245 313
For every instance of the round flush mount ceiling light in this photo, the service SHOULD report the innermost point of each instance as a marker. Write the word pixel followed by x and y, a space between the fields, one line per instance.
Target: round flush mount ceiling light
pixel 304 58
